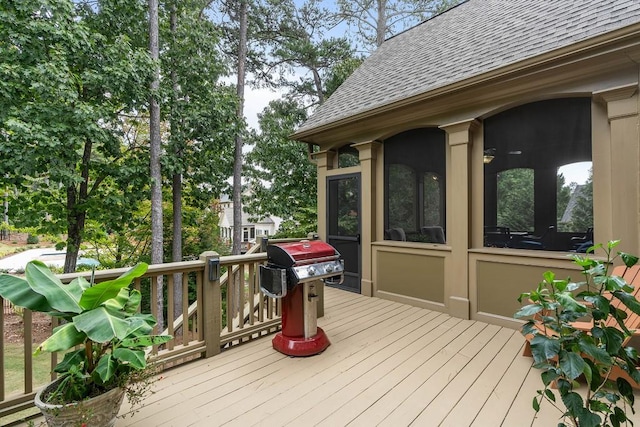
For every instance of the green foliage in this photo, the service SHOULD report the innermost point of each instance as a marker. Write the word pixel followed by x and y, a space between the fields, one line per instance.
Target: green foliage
pixel 200 112
pixel 200 231
pixel 339 73
pixel 582 213
pixel 102 334
pixel 281 177
pixel 563 196
pixel 302 223
pixel 402 208
pixel 515 199
pixel 564 352
pixel 32 239
pixel 70 71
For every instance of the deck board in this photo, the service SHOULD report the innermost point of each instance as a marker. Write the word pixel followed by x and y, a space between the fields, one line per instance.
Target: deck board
pixel 388 364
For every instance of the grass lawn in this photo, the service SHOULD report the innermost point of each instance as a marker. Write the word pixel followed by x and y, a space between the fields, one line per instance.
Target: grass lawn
pixel 8 248
pixel 14 376
pixel 14 368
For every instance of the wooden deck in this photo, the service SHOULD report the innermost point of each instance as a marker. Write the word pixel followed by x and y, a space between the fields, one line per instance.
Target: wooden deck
pixel 389 364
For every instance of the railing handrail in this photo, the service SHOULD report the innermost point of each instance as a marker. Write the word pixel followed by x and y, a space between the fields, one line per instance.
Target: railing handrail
pixel 201 317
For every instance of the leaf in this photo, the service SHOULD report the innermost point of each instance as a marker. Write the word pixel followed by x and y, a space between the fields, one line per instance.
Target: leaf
pixel 628 259
pixel 628 300
pixel 64 337
pixel 595 352
pixel 17 290
pixel 72 358
pixel 589 419
pixel 615 283
pixel 544 348
pixel 567 300
pixel 98 294
pixel 528 310
pixel 128 276
pixel 101 326
pixel 614 339
pixel 618 415
pixel 625 389
pixel 146 341
pixel 81 282
pixel 549 276
pixel 536 404
pixel 550 395
pixel 596 378
pixel 572 364
pixel 119 302
pixel 134 358
pixel 135 297
pixel 574 403
pixel 548 376
pixel 61 297
pixel 599 302
pixel 106 368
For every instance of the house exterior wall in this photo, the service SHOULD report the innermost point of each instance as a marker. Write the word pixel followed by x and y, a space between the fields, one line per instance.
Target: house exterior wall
pixel 462 277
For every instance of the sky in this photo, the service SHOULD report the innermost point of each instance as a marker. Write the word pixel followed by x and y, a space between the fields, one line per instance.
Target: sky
pixel 255 100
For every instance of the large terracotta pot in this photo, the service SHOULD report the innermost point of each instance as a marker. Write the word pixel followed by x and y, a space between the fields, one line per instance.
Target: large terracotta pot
pixel 99 411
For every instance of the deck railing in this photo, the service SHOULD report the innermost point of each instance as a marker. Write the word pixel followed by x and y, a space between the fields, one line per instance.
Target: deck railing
pixel 217 311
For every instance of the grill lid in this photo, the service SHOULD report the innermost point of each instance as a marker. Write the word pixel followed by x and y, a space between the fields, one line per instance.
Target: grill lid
pixel 300 253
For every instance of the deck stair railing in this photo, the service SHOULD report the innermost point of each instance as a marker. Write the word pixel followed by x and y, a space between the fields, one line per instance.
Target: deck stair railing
pixel 209 326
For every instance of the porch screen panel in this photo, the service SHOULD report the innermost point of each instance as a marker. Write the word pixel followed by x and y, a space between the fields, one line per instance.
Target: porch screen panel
pixel 526 195
pixel 415 185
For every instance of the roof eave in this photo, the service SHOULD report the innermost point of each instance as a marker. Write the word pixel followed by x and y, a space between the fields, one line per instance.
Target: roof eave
pixel 547 58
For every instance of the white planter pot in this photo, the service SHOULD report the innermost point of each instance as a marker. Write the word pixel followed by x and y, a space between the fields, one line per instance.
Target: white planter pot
pixel 99 411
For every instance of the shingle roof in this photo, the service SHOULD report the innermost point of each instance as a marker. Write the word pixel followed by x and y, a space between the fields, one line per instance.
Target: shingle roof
pixel 473 38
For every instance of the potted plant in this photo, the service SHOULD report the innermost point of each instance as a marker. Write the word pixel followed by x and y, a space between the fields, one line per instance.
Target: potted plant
pixel 580 330
pixel 101 333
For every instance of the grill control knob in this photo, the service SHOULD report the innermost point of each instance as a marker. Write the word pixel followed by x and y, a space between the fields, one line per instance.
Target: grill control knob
pixel 311 271
pixel 329 268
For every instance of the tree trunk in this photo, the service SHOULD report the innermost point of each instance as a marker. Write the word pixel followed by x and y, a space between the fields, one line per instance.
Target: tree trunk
pixel 176 253
pixel 317 81
pixel 176 185
pixel 381 24
pixel 76 212
pixel 75 227
pixel 237 164
pixel 155 148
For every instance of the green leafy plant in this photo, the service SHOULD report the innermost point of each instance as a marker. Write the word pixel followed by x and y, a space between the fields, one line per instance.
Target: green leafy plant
pixel 102 334
pixel 565 350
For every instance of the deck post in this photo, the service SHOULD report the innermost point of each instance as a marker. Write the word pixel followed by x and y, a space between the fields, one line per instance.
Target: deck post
pixel 211 302
pixel 460 140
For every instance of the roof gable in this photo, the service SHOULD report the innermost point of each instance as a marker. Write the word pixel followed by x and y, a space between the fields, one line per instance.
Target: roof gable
pixel 474 38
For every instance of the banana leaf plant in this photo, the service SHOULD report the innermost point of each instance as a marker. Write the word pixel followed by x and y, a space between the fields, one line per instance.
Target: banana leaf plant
pixel 102 334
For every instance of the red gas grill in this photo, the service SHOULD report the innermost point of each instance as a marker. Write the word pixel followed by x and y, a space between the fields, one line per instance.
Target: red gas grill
pixel 291 273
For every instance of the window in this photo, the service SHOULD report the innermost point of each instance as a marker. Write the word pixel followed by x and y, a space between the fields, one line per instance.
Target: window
pixel 348 156
pixel 575 197
pixel 537 181
pixel 415 186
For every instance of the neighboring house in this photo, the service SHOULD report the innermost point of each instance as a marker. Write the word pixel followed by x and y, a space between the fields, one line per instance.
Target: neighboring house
pixel 442 113
pixel 264 227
